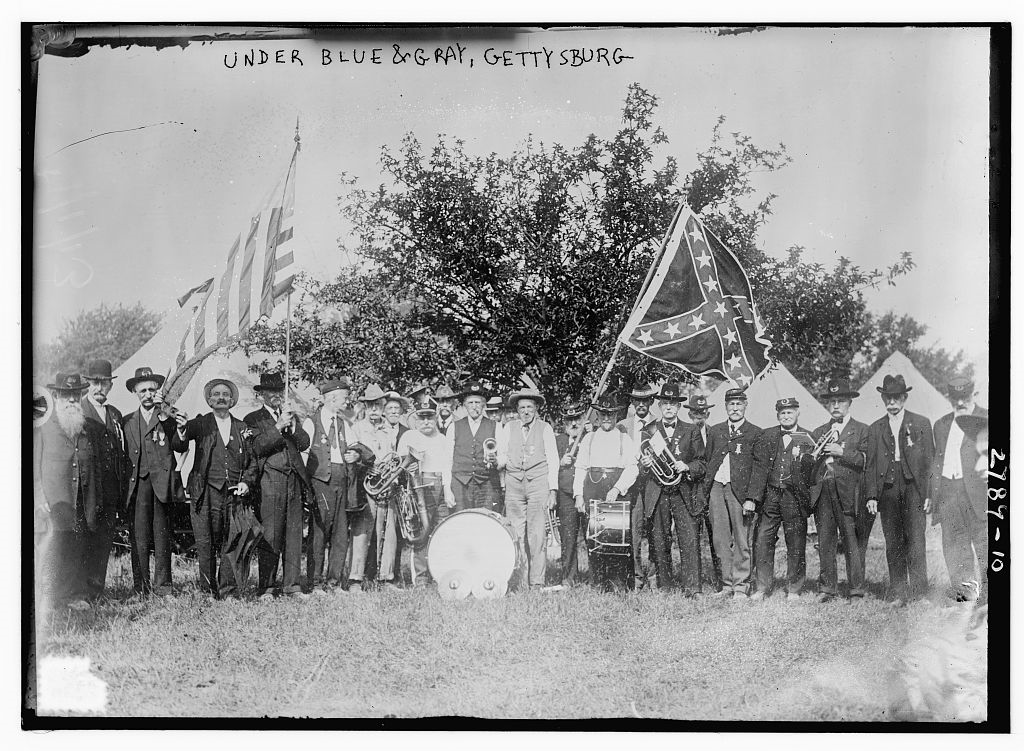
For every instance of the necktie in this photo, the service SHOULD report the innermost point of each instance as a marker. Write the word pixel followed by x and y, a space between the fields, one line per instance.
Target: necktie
pixel 334 432
pixel 526 432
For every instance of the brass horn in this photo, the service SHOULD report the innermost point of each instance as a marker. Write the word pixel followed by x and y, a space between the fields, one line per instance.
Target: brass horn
pixel 491 452
pixel 42 406
pixel 831 436
pixel 662 464
pixel 383 476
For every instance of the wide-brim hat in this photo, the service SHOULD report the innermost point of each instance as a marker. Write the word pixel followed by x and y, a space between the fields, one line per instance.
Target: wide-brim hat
pixel 670 392
pixel 221 382
pixel 144 374
pixel 606 403
pixel 643 392
pixel 516 396
pixel 68 382
pixel 99 369
pixel 394 396
pixel 698 403
pixel 893 385
pixel 373 393
pixel 972 424
pixel 496 402
pixel 270 382
pixel 444 392
pixel 418 388
pixel 473 388
pixel 838 388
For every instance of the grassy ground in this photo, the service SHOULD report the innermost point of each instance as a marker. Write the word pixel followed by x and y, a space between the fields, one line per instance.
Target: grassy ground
pixel 571 654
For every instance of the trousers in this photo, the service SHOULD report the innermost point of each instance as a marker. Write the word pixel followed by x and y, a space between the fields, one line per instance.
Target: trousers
pixel 150 528
pixel 97 544
pixel 731 531
pixel 569 528
pixel 832 523
pixel 781 508
pixel 332 530
pixel 964 536
pixel 477 494
pixel 210 527
pixel 281 496
pixel 526 506
pixel 903 524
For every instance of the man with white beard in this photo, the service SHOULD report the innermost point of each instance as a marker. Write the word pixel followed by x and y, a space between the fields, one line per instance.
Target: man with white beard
pixel 69 490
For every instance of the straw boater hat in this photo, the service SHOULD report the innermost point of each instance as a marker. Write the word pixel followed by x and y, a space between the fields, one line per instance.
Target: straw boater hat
pixel 533 394
pixel 99 369
pixel 67 382
pixel 495 403
pixel 221 382
pixel 269 382
pixel 838 388
pixel 643 392
pixel 373 393
pixel 144 374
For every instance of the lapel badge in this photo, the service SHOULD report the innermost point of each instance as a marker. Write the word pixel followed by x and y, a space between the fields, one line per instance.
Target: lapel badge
pixel 739 448
pixel 910 441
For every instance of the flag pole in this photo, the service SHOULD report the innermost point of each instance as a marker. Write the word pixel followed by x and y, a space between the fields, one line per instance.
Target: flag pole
pixel 618 342
pixel 288 347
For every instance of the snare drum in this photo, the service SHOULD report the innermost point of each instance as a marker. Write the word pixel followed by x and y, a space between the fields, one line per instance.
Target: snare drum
pixel 480 543
pixel 609 531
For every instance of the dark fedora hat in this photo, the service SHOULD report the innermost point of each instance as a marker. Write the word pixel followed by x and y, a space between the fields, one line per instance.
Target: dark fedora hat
pixel 144 374
pixel 893 385
pixel 68 382
pixel 972 424
pixel 838 388
pixel 607 403
pixel 670 392
pixel 270 382
pixel 99 369
pixel 698 403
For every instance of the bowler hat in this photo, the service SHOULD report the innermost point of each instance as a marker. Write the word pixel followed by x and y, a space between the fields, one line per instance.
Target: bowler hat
pixel 670 392
pixel 643 392
pixel 68 382
pixel 893 385
pixel 607 403
pixel 270 382
pixel 698 403
pixel 786 402
pixel 144 374
pixel 736 395
pixel 221 382
pixel 473 388
pixel 373 393
pixel 839 388
pixel 99 369
pixel 334 384
pixel 527 393
pixel 972 424
pixel 960 388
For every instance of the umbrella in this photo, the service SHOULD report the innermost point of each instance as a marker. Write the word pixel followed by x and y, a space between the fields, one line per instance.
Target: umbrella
pixel 245 534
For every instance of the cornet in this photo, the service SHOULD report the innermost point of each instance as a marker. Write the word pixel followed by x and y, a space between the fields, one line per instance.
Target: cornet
pixel 554 538
pixel 831 436
pixel 662 464
pixel 491 453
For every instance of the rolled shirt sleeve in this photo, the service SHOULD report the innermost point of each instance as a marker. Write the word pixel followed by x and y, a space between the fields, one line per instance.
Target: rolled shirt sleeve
pixel 632 469
pixel 582 464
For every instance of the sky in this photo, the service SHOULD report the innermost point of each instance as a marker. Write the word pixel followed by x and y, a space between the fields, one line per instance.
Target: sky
pixel 887 128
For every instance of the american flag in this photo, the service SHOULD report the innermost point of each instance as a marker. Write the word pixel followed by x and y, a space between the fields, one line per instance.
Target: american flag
pixel 697 310
pixel 246 291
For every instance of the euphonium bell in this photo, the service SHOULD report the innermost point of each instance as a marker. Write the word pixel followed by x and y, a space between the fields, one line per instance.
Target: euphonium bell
pixel 662 464
pixel 384 475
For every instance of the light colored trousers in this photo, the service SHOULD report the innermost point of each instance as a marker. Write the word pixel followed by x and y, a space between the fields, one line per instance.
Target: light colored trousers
pixel 526 506
pixel 386 571
pixel 731 532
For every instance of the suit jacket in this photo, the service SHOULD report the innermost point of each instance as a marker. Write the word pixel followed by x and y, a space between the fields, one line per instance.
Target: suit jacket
pixel 917 449
pixel 164 476
pixel 847 469
pixel 67 475
pixel 977 486
pixel 565 474
pixel 686 445
pixel 117 465
pixel 203 430
pixel 765 455
pixel 275 451
pixel 741 454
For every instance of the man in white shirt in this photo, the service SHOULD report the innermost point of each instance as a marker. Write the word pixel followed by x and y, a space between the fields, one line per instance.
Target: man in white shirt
pixel 605 469
pixel 528 454
pixel 428 455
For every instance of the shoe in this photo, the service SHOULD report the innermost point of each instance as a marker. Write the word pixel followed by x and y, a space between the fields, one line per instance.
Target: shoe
pixel 792 597
pixel 79 605
pixel 756 597
pixel 739 594
pixel 824 597
pixel 355 587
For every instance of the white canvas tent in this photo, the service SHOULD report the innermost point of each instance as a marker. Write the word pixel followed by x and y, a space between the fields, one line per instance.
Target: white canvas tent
pixel 762 395
pixel 924 399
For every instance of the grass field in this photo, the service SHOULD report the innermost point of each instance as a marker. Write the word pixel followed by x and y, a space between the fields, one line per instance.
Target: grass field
pixel 572 654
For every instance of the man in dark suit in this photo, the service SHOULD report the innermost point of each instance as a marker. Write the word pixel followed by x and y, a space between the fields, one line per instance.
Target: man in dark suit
pixel 282 484
pixel 568 515
pixel 223 474
pixel 899 462
pixel 663 502
pixel 698 410
pixel 100 378
pixel 152 480
pixel 779 490
pixel 641 399
pixel 730 461
pixel 959 494
pixel 838 477
pixel 70 492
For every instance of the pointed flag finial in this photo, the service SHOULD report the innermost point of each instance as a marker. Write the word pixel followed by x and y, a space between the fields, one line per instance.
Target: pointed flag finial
pixel 298 143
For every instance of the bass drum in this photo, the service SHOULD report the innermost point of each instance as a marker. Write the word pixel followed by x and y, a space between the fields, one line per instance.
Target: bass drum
pixel 482 547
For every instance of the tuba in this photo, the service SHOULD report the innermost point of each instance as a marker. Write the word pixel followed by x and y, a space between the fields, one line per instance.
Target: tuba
pixel 42 406
pixel 384 475
pixel 662 463
pixel 391 477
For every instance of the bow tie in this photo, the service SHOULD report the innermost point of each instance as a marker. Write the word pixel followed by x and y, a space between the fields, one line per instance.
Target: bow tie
pixel 790 431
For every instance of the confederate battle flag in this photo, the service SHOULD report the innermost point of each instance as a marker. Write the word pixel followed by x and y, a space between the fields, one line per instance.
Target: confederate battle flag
pixel 697 310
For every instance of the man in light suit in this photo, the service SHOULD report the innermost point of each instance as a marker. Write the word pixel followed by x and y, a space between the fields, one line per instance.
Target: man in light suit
pixel 839 475
pixel 151 482
pixel 98 374
pixel 959 494
pixel 896 483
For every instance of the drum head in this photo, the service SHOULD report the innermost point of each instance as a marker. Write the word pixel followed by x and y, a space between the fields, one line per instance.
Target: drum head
pixel 474 541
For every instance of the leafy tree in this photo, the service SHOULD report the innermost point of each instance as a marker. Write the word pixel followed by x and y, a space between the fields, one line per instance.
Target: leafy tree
pixel 530 263
pixel 107 333
pixel 889 333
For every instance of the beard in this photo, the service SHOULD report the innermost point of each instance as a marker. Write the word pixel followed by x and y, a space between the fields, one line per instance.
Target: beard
pixel 70 418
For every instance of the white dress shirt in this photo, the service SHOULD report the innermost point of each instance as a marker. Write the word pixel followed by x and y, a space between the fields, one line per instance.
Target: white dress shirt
pixel 895 423
pixel 337 457
pixel 224 427
pixel 724 473
pixel 951 463
pixel 602 448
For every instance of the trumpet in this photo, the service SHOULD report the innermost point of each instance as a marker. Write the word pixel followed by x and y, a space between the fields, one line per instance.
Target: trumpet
pixel 554 537
pixel 662 463
pixel 491 453
pixel 831 436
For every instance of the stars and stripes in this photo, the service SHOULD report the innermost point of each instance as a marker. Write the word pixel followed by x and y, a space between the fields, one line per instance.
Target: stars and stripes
pixel 697 312
pixel 225 308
